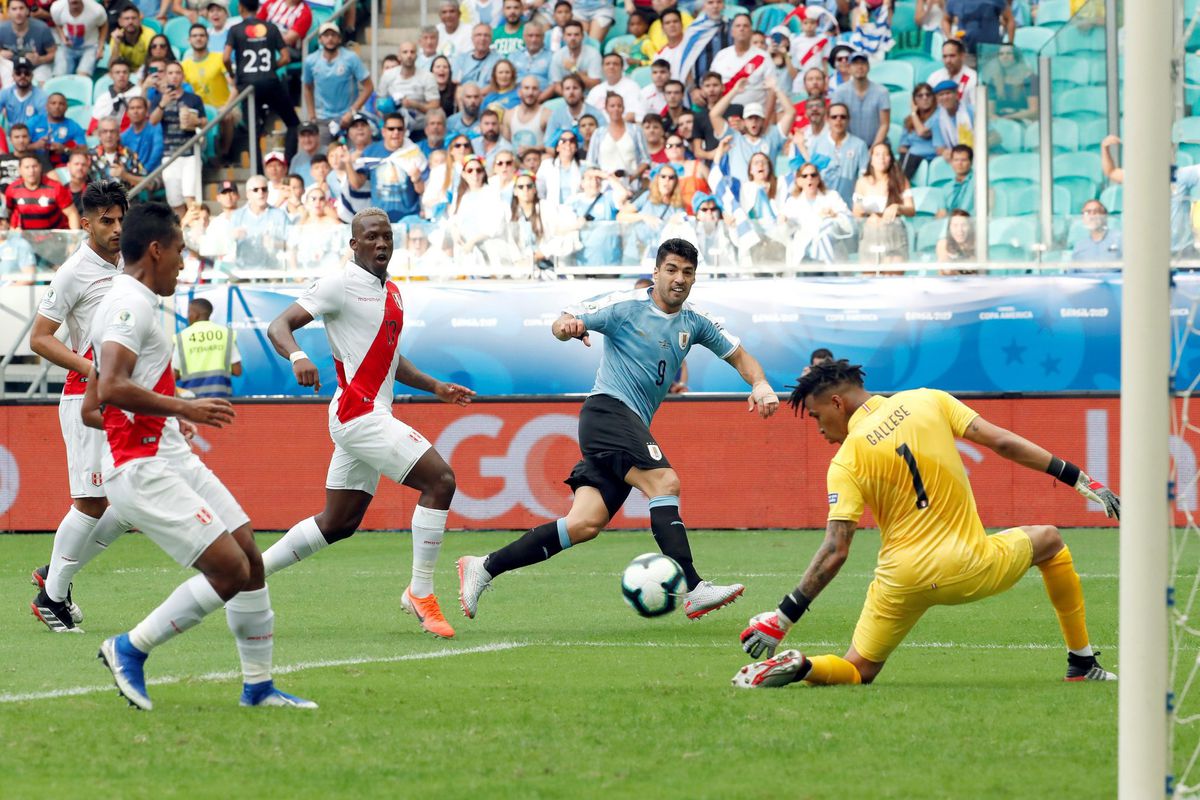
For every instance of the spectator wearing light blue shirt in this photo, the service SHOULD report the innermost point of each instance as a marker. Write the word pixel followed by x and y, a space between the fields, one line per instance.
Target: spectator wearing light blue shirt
pixel 575 57
pixel 566 116
pixel 17 261
pixel 1102 243
pixel 467 119
pixel 534 59
pixel 756 136
pixel 259 229
pixel 595 207
pixel 22 101
pixel 952 121
pixel 869 103
pixel 847 154
pixel 476 66
pixel 336 82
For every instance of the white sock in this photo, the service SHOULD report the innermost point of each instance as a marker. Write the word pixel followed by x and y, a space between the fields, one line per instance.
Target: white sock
pixel 101 533
pixel 192 601
pixel 1084 652
pixel 299 543
pixel 70 546
pixel 428 530
pixel 253 624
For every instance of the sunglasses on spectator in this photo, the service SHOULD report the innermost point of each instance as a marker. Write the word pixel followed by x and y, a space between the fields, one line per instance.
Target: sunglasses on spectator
pixel 839 116
pixel 256 189
pixel 394 128
pixel 841 58
pixel 808 174
pixel 472 171
pixel 460 145
pixel 499 163
pixel 708 208
pixel 674 144
pixel 524 186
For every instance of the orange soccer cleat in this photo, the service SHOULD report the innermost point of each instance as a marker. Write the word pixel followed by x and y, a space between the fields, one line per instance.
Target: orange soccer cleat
pixel 428 613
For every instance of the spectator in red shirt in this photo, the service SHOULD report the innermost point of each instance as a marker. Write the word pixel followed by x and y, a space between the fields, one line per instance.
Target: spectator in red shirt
pixel 37 204
pixel 292 17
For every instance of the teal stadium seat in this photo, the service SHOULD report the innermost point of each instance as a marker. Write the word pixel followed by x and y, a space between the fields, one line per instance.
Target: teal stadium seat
pixel 1071 71
pixel 928 233
pixel 1091 133
pixel 923 69
pixel 1076 232
pixel 176 30
pixel 1077 40
pixel 619 44
pixel 101 87
pixel 152 23
pixel 928 200
pixel 732 10
pixel 895 131
pixel 620 25
pixel 1082 103
pixel 904 17
pixel 1113 198
pixel 1018 168
pixel 80 114
pixel 767 17
pixel 210 138
pixel 554 103
pixel 76 88
pixel 1079 174
pixel 1011 238
pixel 1010 200
pixel 1053 13
pixel 1033 39
pixel 901 104
pixel 641 76
pixel 1064 134
pixel 897 76
pixel 1011 133
pixel 940 172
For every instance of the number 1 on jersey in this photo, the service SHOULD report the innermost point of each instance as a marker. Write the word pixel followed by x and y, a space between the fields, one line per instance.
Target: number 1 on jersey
pixel 918 485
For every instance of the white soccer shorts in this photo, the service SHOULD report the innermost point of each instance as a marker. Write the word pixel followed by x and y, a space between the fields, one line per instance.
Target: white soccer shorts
pixel 85 450
pixel 161 501
pixel 179 180
pixel 370 446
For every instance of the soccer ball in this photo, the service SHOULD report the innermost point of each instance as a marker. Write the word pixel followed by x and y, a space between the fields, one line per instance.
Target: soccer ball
pixel 652 584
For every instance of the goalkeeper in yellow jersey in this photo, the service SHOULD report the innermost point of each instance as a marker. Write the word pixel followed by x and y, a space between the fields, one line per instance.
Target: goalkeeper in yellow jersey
pixel 898 456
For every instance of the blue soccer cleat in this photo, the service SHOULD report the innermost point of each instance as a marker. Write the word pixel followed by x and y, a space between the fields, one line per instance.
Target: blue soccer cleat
pixel 126 663
pixel 263 695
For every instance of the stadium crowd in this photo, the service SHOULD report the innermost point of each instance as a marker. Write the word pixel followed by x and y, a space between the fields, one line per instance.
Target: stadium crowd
pixel 543 133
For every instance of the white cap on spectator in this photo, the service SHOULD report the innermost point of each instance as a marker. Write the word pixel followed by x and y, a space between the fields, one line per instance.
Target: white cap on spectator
pixel 329 26
pixel 753 110
pixel 275 155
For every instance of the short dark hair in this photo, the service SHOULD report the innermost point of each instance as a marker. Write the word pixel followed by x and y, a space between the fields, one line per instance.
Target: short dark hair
pixel 205 307
pixel 190 31
pixel 395 116
pixel 711 74
pixel 820 354
pixel 562 3
pixel 661 63
pixel 822 377
pixel 128 7
pixel 147 223
pixel 572 23
pixel 677 247
pixel 674 82
pixel 489 112
pixel 99 195
pixel 672 11
pixel 119 62
pixel 613 54
pixel 574 78
pixel 29 156
pixel 16 125
pixel 25 3
pixel 963 148
pixel 319 158
pixel 249 5
pixel 956 44
pixel 56 94
pixel 654 119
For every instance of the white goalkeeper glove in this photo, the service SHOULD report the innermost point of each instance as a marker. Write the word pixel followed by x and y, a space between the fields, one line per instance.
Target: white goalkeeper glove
pixel 763 399
pixel 765 632
pixel 1097 492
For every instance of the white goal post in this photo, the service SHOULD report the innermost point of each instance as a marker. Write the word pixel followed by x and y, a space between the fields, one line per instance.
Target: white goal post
pixel 1143 767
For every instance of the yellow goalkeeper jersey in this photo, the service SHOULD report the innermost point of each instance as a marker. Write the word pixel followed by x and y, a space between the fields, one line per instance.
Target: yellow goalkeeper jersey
pixel 900 459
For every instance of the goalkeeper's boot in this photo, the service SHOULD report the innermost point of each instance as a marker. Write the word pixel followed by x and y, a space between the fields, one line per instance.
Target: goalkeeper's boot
pixel 473 578
pixel 127 664
pixel 1086 668
pixel 265 695
pixel 55 615
pixel 39 580
pixel 786 667
pixel 708 597
pixel 428 613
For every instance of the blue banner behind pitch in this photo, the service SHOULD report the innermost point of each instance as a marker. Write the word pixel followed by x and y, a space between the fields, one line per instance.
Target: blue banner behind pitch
pixel 968 334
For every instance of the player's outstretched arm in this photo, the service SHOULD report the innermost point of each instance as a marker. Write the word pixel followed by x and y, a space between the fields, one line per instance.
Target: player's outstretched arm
pixel 90 407
pixel 568 326
pixel 1020 450
pixel 762 397
pixel 408 374
pixel 281 332
pixel 115 386
pixel 766 630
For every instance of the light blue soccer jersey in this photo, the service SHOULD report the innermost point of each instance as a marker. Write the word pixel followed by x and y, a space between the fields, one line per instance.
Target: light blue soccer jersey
pixel 644 345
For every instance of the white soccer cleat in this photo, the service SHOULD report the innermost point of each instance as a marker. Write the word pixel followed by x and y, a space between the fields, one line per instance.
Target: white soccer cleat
pixel 787 667
pixel 473 579
pixel 708 597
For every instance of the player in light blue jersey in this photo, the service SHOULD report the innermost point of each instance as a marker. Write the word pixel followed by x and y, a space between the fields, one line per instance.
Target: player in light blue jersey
pixel 647 335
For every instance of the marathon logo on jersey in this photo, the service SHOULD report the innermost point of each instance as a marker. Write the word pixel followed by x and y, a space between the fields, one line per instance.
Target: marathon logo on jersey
pixel 684 338
pixel 204 516
pixel 653 450
pixel 833 498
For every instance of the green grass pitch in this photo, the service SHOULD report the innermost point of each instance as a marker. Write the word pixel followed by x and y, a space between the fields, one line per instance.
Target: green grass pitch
pixel 557 689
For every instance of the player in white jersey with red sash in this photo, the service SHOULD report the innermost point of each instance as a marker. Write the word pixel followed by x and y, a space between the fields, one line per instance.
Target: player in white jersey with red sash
pixel 75 291
pixel 364 315
pixel 153 481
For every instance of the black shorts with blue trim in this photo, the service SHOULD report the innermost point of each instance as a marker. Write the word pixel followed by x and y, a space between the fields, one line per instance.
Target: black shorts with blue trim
pixel 613 440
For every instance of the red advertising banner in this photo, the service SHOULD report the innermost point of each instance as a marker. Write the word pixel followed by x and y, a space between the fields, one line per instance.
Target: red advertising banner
pixel 510 458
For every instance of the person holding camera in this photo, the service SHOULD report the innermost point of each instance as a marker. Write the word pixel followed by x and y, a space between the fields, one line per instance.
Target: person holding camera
pixel 179 112
pixel 600 196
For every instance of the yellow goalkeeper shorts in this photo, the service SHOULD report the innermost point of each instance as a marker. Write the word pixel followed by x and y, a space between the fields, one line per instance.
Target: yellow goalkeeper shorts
pixel 888 615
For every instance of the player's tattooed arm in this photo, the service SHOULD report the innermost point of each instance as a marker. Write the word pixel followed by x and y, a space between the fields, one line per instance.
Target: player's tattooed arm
pixel 830 557
pixel 569 326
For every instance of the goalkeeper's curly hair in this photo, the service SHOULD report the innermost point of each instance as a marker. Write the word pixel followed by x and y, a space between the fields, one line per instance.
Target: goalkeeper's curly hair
pixel 826 375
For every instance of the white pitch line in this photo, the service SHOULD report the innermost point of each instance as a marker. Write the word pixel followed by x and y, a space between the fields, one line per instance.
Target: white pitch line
pixel 283 670
pixel 495 647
